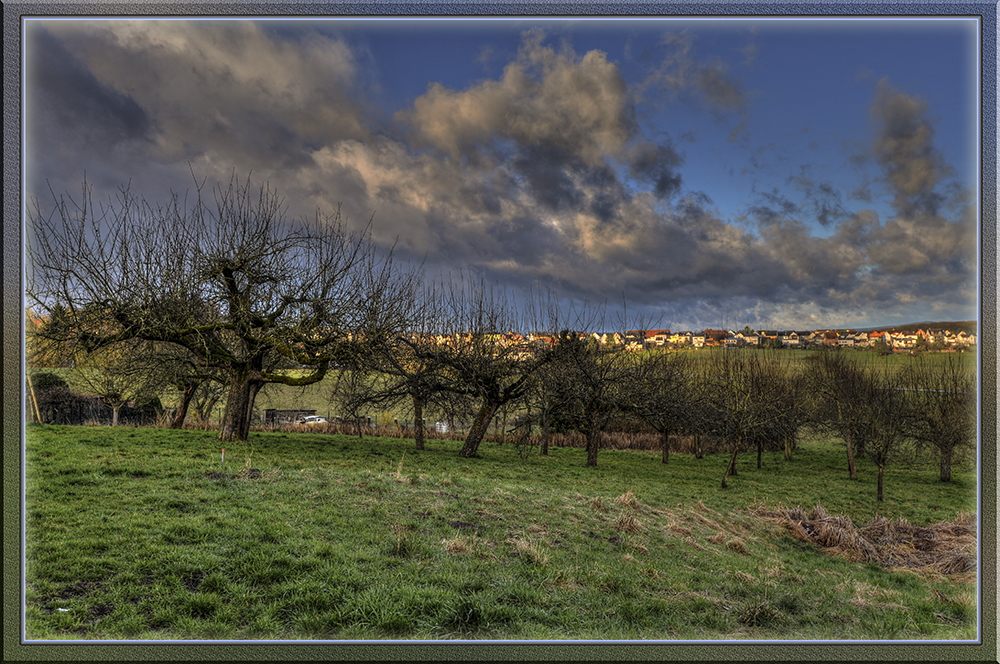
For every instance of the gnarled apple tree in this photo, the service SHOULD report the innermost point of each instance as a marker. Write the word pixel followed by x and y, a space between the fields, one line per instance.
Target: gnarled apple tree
pixel 229 278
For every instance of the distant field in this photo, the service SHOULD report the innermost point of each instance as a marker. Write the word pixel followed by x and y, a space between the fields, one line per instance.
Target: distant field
pixel 317 396
pixel 145 534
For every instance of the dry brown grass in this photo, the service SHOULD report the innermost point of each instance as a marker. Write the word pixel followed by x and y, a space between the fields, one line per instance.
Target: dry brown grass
pixel 458 545
pixel 529 549
pixel 628 500
pixel 737 545
pixel 627 523
pixel 947 548
pixel 679 530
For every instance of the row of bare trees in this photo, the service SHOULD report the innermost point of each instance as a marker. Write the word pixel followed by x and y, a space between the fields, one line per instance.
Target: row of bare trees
pixel 226 293
pixel 751 400
pixel 887 412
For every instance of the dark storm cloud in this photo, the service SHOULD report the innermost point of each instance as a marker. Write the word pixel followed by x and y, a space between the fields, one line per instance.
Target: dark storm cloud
pixel 541 176
pixel 220 94
pixel 546 177
pixel 656 165
pixel 921 251
pixel 904 149
pixel 79 126
pixel 66 94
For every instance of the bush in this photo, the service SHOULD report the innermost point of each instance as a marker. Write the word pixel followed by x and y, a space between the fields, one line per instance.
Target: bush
pixel 149 406
pixel 60 405
pixel 45 380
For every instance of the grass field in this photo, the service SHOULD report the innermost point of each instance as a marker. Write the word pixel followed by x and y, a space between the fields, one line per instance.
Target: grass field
pixel 139 533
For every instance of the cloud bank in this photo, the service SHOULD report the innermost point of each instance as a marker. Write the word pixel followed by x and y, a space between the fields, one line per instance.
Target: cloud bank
pixel 542 175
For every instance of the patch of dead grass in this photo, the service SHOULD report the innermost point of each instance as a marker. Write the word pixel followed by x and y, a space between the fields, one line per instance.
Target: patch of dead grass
pixel 458 545
pixel 627 523
pixel 628 500
pixel 947 548
pixel 737 545
pixel 529 549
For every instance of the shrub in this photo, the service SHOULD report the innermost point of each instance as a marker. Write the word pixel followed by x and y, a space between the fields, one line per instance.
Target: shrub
pixel 46 380
pixel 60 405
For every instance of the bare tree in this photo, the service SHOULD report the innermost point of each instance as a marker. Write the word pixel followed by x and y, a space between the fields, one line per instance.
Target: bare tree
pixel 944 408
pixel 118 375
pixel 230 280
pixel 748 391
pixel 661 393
pixel 887 410
pixel 551 395
pixel 836 383
pixel 483 352
pixel 596 376
pixel 413 366
pixel 352 391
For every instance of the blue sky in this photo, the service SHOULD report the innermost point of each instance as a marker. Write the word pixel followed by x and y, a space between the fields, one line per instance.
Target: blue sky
pixel 771 172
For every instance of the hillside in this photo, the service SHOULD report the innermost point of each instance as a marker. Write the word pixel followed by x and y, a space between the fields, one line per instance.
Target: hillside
pixel 966 326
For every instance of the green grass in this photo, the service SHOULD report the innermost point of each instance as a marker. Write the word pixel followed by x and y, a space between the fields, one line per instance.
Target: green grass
pixel 143 534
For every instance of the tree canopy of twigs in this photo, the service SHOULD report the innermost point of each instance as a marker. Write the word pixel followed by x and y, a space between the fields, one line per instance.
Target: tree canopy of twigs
pixel 227 277
pixel 943 405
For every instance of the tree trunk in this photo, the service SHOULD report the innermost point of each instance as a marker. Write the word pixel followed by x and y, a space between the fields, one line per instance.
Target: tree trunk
pixel 850 449
pixel 731 468
pixel 182 410
pixel 478 429
pixel 418 421
pixel 850 459
pixel 253 387
pixel 946 465
pixel 881 469
pixel 545 433
pixel 235 421
pixel 760 451
pixel 593 442
pixel 114 415
pixel 699 451
pixel 665 440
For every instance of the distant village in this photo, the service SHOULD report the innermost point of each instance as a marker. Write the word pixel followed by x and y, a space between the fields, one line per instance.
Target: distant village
pixel 893 341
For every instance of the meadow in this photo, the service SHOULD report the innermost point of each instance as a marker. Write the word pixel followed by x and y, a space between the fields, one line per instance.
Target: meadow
pixel 144 533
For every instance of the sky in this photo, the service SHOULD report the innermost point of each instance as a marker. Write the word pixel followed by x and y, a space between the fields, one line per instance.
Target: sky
pixel 777 173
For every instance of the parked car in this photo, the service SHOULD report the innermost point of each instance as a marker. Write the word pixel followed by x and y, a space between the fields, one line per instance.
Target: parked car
pixel 312 419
